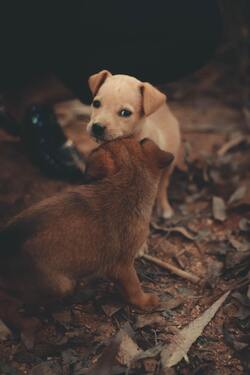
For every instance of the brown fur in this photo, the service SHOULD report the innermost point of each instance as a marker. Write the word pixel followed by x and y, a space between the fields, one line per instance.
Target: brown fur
pixel 151 118
pixel 93 230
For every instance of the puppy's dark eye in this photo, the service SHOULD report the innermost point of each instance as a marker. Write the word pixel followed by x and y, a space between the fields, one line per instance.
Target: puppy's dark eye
pixel 125 113
pixel 96 103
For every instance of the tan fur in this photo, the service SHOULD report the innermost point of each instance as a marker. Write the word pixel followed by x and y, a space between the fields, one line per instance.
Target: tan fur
pixel 151 118
pixel 93 230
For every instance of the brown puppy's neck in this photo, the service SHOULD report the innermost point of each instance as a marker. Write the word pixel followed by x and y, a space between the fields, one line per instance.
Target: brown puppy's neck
pixel 131 191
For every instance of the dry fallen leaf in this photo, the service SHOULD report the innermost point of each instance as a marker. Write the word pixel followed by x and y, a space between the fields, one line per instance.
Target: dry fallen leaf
pixel 177 229
pixel 111 309
pixel 237 195
pixel 219 209
pixel 173 303
pixel 241 196
pixel 183 340
pixel 149 353
pixel 128 350
pixel 154 320
pixel 107 360
pixel 244 225
pixel 239 246
pixel 5 333
pixel 121 349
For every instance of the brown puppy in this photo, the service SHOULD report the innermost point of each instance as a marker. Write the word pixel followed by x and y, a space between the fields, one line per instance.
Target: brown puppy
pixel 123 106
pixel 93 230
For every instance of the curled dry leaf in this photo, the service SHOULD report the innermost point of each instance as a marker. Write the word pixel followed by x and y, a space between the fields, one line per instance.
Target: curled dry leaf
pixel 111 309
pixel 244 225
pixel 154 320
pixel 121 349
pixel 4 331
pixel 147 359
pixel 237 195
pixel 173 303
pixel 219 209
pixel 128 350
pixel 241 197
pixel 239 246
pixel 183 231
pixel 183 340
pixel 149 353
pixel 107 359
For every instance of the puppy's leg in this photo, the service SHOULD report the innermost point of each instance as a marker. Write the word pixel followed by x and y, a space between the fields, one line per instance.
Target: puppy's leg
pixel 162 205
pixel 55 285
pixel 128 279
pixel 143 250
pixel 9 310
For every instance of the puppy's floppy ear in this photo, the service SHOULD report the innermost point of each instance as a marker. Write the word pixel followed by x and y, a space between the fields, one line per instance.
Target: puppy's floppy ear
pixel 96 80
pixel 162 158
pixel 152 98
pixel 100 164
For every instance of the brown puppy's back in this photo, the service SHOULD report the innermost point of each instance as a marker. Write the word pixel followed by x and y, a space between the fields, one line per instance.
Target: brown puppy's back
pixel 92 230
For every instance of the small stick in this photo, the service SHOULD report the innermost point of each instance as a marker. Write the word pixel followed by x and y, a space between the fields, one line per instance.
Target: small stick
pixel 185 275
pixel 230 144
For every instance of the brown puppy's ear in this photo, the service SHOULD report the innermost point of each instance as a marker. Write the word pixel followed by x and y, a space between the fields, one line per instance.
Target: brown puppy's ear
pixel 162 158
pixel 152 98
pixel 96 80
pixel 100 164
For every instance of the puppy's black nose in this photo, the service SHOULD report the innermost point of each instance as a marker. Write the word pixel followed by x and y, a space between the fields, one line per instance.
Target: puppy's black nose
pixel 98 130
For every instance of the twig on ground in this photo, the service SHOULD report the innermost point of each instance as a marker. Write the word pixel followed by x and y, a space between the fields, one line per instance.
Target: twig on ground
pixel 185 275
pixel 230 144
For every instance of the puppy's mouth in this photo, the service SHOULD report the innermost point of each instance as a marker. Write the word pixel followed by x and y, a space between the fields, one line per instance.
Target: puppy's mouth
pixel 98 140
pixel 104 138
pixel 102 135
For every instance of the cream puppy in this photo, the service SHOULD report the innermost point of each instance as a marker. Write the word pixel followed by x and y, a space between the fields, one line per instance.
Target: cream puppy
pixel 123 106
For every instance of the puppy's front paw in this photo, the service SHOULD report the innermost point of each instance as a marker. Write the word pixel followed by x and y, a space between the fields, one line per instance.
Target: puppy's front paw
pixel 143 250
pixel 148 301
pixel 163 211
pixel 167 213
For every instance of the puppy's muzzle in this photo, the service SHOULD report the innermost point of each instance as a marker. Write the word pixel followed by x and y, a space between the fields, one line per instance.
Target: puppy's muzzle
pixel 98 130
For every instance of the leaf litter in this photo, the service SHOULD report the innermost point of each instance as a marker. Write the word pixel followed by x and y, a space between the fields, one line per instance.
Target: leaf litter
pixel 182 341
